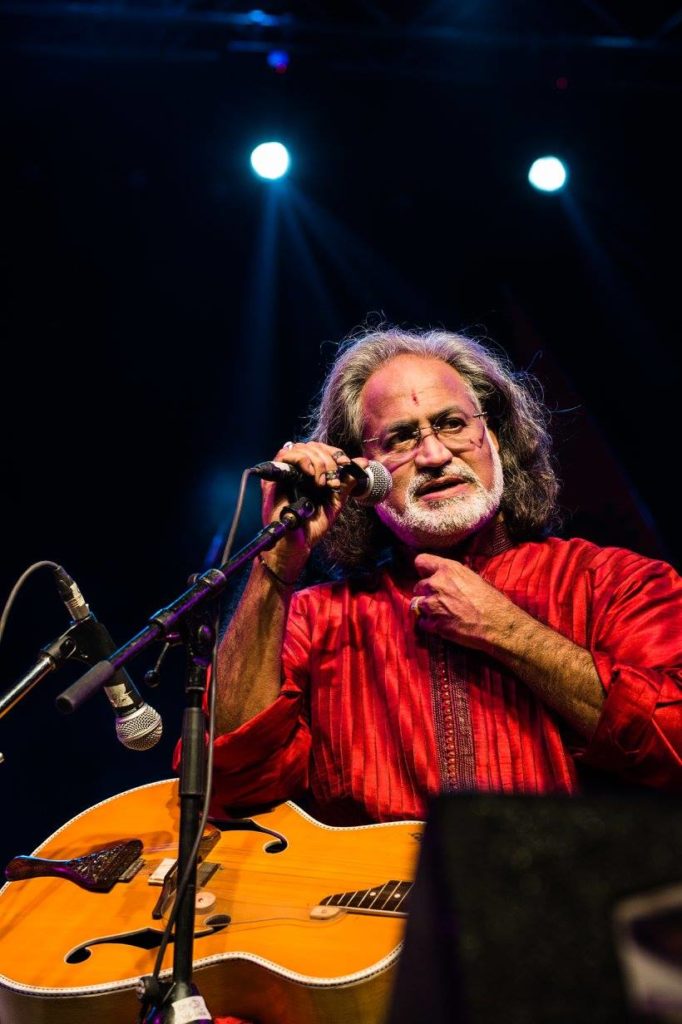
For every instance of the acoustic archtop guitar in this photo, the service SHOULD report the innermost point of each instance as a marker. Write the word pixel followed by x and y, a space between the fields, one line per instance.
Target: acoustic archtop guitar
pixel 296 922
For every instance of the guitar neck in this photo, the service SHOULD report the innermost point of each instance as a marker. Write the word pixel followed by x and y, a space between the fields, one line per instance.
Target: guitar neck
pixel 391 898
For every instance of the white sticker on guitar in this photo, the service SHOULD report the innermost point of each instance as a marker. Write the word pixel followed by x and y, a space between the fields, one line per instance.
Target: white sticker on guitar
pixel 190 1009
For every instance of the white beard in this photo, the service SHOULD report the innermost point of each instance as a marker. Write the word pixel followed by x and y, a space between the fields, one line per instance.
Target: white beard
pixel 443 523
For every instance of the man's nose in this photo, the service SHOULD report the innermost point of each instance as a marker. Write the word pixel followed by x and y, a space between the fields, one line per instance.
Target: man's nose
pixel 432 451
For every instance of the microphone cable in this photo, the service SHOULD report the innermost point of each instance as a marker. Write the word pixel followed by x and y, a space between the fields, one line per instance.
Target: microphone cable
pixel 17 587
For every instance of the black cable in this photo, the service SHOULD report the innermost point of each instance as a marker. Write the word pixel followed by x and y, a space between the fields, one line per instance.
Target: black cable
pixel 17 587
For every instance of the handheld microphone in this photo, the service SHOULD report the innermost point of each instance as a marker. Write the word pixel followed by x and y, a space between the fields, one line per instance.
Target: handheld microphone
pixel 138 726
pixel 371 484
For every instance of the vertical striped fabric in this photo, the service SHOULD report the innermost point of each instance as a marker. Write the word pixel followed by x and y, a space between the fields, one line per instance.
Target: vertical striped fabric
pixel 376 716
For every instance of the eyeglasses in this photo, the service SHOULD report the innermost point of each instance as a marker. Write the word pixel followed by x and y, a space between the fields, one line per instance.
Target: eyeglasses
pixel 458 432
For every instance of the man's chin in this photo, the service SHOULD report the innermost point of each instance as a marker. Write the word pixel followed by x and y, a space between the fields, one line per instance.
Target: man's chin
pixel 419 534
pixel 425 540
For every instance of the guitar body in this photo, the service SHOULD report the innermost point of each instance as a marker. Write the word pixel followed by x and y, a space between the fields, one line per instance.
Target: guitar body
pixel 263 947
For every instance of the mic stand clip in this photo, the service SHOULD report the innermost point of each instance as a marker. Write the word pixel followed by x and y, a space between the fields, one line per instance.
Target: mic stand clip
pixel 76 643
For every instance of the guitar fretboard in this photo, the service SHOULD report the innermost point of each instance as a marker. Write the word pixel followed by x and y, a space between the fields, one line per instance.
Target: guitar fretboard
pixel 389 898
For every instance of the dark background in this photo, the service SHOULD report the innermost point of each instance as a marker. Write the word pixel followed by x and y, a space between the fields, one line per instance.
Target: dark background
pixel 167 317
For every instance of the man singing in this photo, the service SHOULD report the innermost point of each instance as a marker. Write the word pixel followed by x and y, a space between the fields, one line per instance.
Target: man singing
pixel 461 646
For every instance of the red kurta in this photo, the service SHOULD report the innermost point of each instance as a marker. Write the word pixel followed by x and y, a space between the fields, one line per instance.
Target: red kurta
pixel 375 716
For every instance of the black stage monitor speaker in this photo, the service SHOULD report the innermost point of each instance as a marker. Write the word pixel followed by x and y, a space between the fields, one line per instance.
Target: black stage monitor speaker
pixel 545 910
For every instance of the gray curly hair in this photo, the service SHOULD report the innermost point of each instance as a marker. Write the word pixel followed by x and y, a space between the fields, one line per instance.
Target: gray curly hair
pixel 512 401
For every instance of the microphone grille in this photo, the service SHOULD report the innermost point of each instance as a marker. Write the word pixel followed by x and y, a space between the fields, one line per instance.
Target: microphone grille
pixel 141 730
pixel 380 483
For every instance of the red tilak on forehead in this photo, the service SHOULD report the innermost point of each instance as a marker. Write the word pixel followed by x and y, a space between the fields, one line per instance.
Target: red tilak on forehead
pixel 414 397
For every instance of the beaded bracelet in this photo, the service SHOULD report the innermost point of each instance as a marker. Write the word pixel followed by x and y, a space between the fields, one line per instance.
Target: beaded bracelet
pixel 273 574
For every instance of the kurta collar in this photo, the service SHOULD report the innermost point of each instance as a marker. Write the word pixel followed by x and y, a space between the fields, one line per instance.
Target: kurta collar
pixel 475 551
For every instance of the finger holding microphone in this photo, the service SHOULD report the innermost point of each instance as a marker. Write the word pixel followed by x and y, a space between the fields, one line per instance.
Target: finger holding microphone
pixel 317 463
pixel 329 477
pixel 307 464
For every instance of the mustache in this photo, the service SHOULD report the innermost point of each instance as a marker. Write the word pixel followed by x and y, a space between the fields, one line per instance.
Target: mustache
pixel 462 474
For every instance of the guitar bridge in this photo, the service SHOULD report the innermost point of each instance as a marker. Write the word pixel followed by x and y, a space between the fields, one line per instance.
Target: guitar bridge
pixel 205 872
pixel 130 872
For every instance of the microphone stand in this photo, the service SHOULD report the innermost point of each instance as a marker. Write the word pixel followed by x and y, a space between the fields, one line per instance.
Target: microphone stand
pixel 186 615
pixel 52 655
pixel 170 1002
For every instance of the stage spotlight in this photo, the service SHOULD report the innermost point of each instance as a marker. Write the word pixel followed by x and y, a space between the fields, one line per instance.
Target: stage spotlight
pixel 270 160
pixel 278 60
pixel 548 174
pixel 258 17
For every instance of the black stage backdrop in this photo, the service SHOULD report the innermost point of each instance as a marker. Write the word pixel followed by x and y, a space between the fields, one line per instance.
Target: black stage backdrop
pixel 167 317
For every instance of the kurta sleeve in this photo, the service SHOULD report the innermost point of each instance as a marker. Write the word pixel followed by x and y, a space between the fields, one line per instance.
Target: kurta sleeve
pixel 636 643
pixel 265 761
